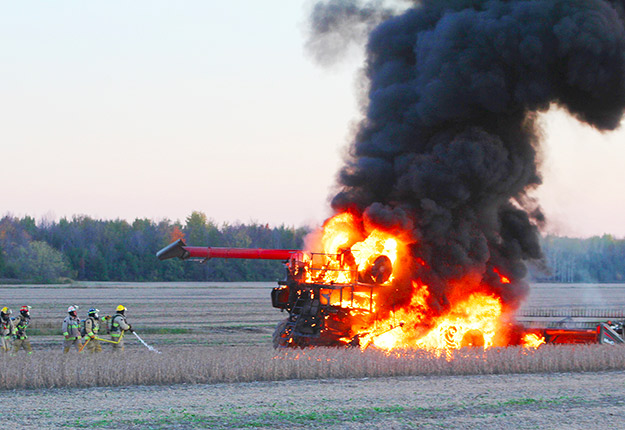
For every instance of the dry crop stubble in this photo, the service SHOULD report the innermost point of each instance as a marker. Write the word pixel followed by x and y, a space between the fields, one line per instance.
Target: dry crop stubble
pixel 246 364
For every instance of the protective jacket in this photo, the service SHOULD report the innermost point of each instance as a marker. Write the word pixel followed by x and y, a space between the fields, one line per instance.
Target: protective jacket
pixel 71 328
pixel 7 327
pixel 118 325
pixel 7 330
pixel 20 327
pixel 92 327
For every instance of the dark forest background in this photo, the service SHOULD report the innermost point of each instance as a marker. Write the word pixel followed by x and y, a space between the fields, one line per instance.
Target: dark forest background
pixel 87 249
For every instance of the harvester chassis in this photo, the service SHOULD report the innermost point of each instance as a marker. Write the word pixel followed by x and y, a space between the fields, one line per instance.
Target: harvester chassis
pixel 320 314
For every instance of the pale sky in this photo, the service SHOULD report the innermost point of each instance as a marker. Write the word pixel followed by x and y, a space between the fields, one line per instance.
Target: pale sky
pixel 154 109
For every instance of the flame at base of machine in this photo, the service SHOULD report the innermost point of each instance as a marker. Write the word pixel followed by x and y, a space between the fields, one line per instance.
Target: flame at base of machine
pixel 532 340
pixel 474 321
pixel 474 317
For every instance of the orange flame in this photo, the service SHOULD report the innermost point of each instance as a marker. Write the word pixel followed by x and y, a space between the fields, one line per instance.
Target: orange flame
pixel 532 340
pixel 502 278
pixel 475 317
pixel 348 251
pixel 471 322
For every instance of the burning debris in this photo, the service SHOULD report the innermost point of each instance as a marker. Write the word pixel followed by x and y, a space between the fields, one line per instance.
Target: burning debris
pixel 433 223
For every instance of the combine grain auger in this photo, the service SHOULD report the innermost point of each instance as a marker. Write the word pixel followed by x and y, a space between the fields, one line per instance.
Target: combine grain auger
pixel 324 299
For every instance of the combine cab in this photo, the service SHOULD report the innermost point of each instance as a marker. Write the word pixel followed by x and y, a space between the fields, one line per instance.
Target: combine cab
pixel 321 312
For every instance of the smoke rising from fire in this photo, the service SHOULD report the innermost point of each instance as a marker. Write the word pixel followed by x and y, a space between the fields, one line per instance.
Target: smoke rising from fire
pixel 338 24
pixel 448 146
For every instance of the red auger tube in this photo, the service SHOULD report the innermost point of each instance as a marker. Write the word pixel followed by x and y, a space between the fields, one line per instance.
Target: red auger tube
pixel 248 253
pixel 179 249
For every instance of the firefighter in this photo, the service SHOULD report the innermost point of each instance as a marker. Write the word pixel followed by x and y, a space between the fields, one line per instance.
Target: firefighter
pixel 91 328
pixel 21 338
pixel 7 329
pixel 71 330
pixel 119 326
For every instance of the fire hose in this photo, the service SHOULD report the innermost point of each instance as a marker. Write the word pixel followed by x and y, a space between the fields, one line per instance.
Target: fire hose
pixel 103 340
pixel 83 345
pixel 150 347
pixel 112 341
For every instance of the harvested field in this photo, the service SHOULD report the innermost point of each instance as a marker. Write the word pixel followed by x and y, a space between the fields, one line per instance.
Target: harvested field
pixel 572 401
pixel 187 314
pixel 220 334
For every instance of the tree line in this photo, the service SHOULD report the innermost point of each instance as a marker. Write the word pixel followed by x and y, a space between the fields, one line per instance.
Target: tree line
pixel 87 249
pixel 596 259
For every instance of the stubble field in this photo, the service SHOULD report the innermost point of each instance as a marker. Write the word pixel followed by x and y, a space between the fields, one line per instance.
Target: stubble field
pixel 216 340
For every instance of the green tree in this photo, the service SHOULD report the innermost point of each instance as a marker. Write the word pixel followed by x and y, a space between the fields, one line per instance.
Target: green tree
pixel 2 263
pixel 39 262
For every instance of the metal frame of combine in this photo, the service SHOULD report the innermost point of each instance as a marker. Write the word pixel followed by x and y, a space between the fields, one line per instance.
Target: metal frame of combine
pixel 319 313
pixel 576 325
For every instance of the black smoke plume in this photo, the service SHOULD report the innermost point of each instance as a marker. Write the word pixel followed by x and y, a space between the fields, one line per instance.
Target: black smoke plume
pixel 449 139
pixel 338 24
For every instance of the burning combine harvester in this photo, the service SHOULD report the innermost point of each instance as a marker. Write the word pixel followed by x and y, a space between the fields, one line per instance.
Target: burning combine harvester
pixel 358 292
pixel 435 216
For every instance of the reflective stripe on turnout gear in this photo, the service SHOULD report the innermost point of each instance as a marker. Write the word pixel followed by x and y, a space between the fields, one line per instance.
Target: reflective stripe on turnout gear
pixel 118 325
pixel 7 328
pixel 22 324
pixel 71 327
pixel 91 327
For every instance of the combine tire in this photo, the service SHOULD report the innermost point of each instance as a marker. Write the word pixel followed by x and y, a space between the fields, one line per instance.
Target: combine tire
pixel 473 338
pixel 280 336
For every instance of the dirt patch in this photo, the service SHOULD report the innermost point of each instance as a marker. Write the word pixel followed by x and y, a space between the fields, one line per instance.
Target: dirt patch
pixel 545 401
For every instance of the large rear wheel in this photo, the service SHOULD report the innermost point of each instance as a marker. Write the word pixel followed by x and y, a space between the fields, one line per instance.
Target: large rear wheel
pixel 280 336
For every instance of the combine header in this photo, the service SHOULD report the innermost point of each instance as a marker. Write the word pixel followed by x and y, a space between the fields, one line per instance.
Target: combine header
pixel 320 313
pixel 575 325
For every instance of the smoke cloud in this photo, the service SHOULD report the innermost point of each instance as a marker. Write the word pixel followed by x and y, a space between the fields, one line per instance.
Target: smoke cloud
pixel 338 24
pixel 448 145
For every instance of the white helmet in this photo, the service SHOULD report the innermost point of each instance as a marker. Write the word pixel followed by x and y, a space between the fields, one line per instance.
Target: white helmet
pixel 72 308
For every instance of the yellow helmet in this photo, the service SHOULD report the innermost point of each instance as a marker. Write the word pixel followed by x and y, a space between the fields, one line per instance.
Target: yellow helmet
pixel 120 308
pixel 6 311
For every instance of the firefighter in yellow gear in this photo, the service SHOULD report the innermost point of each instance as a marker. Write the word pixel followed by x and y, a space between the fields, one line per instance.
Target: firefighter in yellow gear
pixel 21 339
pixel 7 329
pixel 71 330
pixel 119 325
pixel 91 329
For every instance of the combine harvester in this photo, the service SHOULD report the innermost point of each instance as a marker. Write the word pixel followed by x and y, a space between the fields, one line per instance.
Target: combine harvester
pixel 330 300
pixel 319 313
